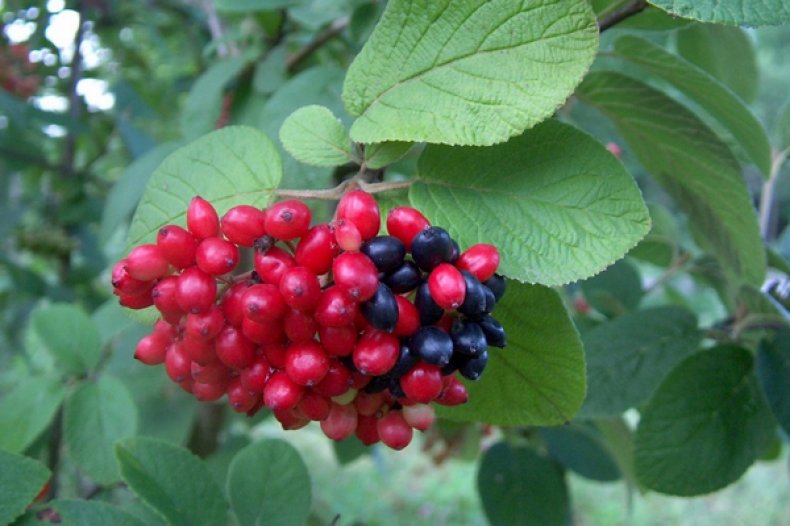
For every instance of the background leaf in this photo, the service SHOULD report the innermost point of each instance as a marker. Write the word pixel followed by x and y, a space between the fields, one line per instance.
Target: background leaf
pixel 580 448
pixel 313 135
pixel 72 512
pixel 68 334
pixel 468 72
pixel 557 205
pixel 27 410
pixel 245 6
pixel 773 370
pixel 380 154
pixel 538 379
pixel 21 478
pixel 616 290
pixel 734 12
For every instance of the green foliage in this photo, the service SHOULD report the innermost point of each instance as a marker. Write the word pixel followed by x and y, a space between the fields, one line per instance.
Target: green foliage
pixel 581 448
pixel 313 135
pixel 614 291
pixel 748 12
pixel 21 479
pixel 27 409
pixel 67 334
pixel 85 513
pixel 773 370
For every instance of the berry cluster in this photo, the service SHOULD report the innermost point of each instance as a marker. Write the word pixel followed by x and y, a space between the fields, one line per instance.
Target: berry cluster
pixel 335 324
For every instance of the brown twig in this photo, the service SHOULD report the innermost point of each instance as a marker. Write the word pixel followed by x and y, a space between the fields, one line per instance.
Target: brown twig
pixel 337 27
pixel 618 16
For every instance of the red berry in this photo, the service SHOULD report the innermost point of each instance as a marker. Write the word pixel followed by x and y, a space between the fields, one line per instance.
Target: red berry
pixel 126 285
pixel 263 333
pixel 206 325
pixel 216 256
pixel 272 264
pixel 241 399
pixel 288 219
pixel 263 303
pixel 336 308
pixel 356 273
pixel 306 363
pixel 165 330
pixel 212 373
pixel 314 406
pixel 347 236
pixel 481 260
pixel 187 385
pixel 359 380
pixel 202 219
pixel 336 382
pixel 316 250
pixel 281 393
pixel 178 246
pixel 231 305
pixel 140 301
pixel 299 326
pixel 291 419
pixel 394 431
pixel 146 262
pixel 164 296
pixel 233 349
pixel 300 288
pixel 208 392
pixel 255 376
pixel 453 392
pixel 341 422
pixel 199 351
pixel 360 208
pixel 423 383
pixel 447 286
pixel 178 366
pixel 338 341
pixel 195 291
pixel 405 222
pixel 151 349
pixel 275 354
pixel 408 318
pixel 244 224
pixel 368 404
pixel 367 429
pixel 376 353
pixel 419 416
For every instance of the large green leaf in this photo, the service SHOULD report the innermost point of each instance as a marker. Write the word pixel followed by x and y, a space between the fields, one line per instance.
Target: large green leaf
pixel 555 202
pixel 616 290
pixel 232 166
pixel 706 91
pixel 27 409
pixel 68 334
pixel 171 480
pixel 733 12
pixel 538 379
pixel 313 135
pixel 705 425
pixel 268 483
pixel 725 52
pixel 581 448
pixel 21 478
pixel 627 358
pixel 518 486
pixel 95 417
pixel 470 72
pixel 773 370
pixel 73 512
pixel 693 165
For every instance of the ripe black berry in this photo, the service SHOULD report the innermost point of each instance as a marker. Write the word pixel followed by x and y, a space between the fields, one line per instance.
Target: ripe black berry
pixel 431 247
pixel 495 333
pixel 381 310
pixel 406 361
pixel 472 368
pixel 404 278
pixel 497 285
pixel 474 305
pixel 490 300
pixel 429 311
pixel 432 345
pixel 468 338
pixel 377 384
pixel 386 252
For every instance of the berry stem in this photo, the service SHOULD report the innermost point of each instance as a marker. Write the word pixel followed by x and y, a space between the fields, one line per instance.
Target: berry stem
pixel 333 194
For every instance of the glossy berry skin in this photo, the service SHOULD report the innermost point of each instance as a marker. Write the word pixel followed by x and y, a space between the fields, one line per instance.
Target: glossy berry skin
pixel 177 245
pixel 275 354
pixel 291 419
pixel 338 341
pixel 272 264
pixel 212 373
pixel 495 333
pixel 233 349
pixel 408 318
pixel 306 363
pixel 340 423
pixel 376 353
pixel 386 252
pixel 281 393
pixel 474 305
pixel 243 224
pixel 199 351
pixel 367 429
pixel 404 223
pixel 126 285
pixel 299 326
pixel 468 338
pixel 195 291
pixel 254 377
pixel 406 360
pixel 336 382
pixel 266 333
pixel 204 326
pixel 151 349
pixel 356 273
pixel 360 208
pixel 453 392
pixel 423 383
pixel 146 262
pixel 215 256
pixel 336 308
pixel 317 249
pixel 347 236
pixel 497 285
pixel 164 296
pixel 419 416
pixel 263 303
pixel 429 311
pixel 136 302
pixel 300 288
pixel 314 406
pixel 231 305
pixel 432 345
pixel 288 219
pixel 241 399
pixel 381 311
pixel 447 286
pixel 432 247
pixel 404 279
pixel 202 218
pixel 208 392
pixel 482 260
pixel 472 368
pixel 177 364
pixel 368 404
pixel 394 431
pixel 490 300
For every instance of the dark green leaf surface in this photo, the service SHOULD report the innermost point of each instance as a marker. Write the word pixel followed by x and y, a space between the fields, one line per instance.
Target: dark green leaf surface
pixel 67 334
pixel 580 448
pixel 733 12
pixel 614 291
pixel 27 410
pixel 773 370
pixel 72 512
pixel 21 478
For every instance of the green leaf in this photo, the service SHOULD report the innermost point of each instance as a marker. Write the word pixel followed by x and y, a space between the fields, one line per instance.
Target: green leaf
pixel 268 483
pixel 725 52
pixel 271 72
pixel 171 480
pixel 348 450
pixel 782 127
pixel 27 410
pixel 380 154
pixel 470 72
pixel 653 19
pixel 706 91
pixel 580 448
pixel 21 479
pixel 95 417
pixel 555 202
pixel 232 166
pixel 518 486
pixel 74 512
pixel 732 12
pixel 313 135
pixel 627 358
pixel 773 370
pixel 614 291
pixel 539 378
pixel 68 335
pixel 690 162
pixel 661 245
pixel 246 6
pixel 705 425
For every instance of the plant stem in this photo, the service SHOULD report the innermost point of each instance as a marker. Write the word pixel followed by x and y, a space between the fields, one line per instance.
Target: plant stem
pixel 55 443
pixel 618 16
pixel 333 194
pixel 337 27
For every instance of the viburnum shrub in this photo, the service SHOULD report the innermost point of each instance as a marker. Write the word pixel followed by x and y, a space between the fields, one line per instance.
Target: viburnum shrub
pixel 334 323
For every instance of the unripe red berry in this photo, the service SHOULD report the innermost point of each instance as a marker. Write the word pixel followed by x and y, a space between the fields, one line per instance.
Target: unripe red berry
pixel 151 349
pixel 204 326
pixel 255 376
pixel 314 406
pixel 419 416
pixel 195 291
pixel 264 303
pixel 376 353
pixel 125 284
pixel 423 383
pixel 281 393
pixel 244 224
pixel 202 218
pixel 368 404
pixel 241 400
pixel 288 219
pixel 481 260
pixel 453 392
pixel 208 392
pixel 275 354
pixel 367 429
pixel 263 333
pixel 146 262
pixel 177 245
pixel 338 341
pixel 337 382
pixel 300 288
pixel 360 208
pixel 231 305
pixel 215 256
pixel 447 286
pixel 299 326
pixel 136 302
pixel 394 431
pixel 291 419
pixel 347 236
pixel 272 264
pixel 165 330
pixel 164 296
pixel 408 318
pixel 199 351
pixel 233 349
pixel 356 273
pixel 341 422
pixel 404 223
pixel 212 373
pixel 306 363
pixel 336 308
pixel 317 249
pixel 178 366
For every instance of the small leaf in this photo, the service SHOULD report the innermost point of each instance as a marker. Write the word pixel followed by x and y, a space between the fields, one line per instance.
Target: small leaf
pixel 90 513
pixel 627 358
pixel 313 135
pixel 580 448
pixel 782 127
pixel 614 291
pixel 705 425
pixel 232 166
pixel 95 417
pixel 470 72
pixel 555 202
pixel 652 19
pixel 538 379
pixel 246 6
pixel 733 12
pixel 27 410
pixel 268 483
pixel 270 73
pixel 68 335
pixel 171 480
pixel 349 450
pixel 380 154
pixel 773 370
pixel 21 478
pixel 518 486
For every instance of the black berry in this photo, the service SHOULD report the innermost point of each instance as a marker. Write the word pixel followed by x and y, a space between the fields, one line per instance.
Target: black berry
pixel 429 311
pixel 495 333
pixel 497 285
pixel 474 305
pixel 381 310
pixel 431 247
pixel 472 368
pixel 432 345
pixel 404 278
pixel 386 252
pixel 468 338
pixel 406 361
